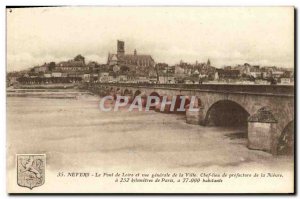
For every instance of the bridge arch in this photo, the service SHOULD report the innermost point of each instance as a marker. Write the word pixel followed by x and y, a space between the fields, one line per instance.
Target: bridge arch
pixel 178 102
pixel 285 144
pixel 136 93
pixel 154 93
pixel 143 96
pixel 127 92
pixel 226 113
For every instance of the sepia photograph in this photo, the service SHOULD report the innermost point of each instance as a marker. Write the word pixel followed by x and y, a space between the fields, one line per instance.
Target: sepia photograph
pixel 158 99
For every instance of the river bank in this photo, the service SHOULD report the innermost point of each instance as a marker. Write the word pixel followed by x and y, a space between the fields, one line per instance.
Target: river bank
pixel 45 86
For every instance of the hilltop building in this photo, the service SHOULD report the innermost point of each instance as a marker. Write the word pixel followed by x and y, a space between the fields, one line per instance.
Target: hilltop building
pixel 75 65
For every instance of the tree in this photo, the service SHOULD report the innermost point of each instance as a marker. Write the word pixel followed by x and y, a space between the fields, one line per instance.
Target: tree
pixel 79 58
pixel 124 68
pixel 51 66
pixel 273 81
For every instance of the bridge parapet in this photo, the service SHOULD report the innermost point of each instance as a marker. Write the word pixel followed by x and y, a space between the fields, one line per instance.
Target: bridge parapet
pixel 279 90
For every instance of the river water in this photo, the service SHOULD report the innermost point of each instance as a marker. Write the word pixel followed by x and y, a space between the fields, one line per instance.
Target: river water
pixel 71 129
pixel 74 133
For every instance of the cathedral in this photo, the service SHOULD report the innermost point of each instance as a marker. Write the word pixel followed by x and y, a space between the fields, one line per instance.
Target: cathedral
pixel 134 59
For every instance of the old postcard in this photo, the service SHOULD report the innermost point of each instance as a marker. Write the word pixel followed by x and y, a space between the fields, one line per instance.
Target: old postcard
pixel 150 99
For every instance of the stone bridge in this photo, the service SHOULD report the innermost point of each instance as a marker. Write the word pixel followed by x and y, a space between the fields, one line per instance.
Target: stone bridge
pixel 266 110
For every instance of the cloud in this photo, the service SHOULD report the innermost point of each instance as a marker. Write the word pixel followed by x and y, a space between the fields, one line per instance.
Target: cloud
pixel 224 35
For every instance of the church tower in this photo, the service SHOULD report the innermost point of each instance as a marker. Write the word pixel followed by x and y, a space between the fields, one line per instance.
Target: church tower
pixel 208 63
pixel 121 48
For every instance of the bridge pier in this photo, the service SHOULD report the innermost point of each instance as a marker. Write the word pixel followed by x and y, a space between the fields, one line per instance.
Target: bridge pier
pixel 195 117
pixel 262 131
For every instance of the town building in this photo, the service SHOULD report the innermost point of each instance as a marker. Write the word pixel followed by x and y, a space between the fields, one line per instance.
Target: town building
pixel 47 75
pixel 166 78
pixel 227 73
pixel 142 79
pixel 44 68
pixel 56 74
pixel 72 66
pixel 122 78
pixel 277 74
pixel 103 77
pixel 287 77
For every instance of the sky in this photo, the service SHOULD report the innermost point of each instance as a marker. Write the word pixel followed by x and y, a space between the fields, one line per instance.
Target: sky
pixel 226 36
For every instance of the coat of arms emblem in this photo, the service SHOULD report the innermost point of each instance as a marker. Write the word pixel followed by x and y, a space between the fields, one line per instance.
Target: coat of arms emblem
pixel 31 170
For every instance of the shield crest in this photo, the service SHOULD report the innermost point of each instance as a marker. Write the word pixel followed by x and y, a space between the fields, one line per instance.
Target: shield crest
pixel 31 170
